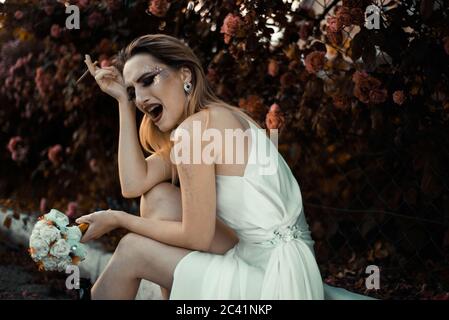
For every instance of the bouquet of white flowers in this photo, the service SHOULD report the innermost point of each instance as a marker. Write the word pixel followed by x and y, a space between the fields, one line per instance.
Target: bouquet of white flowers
pixel 54 245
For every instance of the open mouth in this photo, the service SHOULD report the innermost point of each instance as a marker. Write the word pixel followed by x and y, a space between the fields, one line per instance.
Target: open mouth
pixel 155 111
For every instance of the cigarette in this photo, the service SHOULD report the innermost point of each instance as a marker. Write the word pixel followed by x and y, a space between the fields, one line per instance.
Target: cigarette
pixel 85 73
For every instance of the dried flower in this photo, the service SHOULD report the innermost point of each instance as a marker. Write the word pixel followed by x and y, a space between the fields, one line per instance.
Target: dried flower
pixel 314 61
pixel 94 165
pixel 18 15
pixel 55 154
pixel 399 97
pixel 341 102
pixel 253 104
pixel 343 15
pixel 335 38
pixel 333 24
pixel 273 67
pixel 17 148
pixel 55 31
pixel 367 89
pixel 274 118
pixel 230 27
pixel 158 8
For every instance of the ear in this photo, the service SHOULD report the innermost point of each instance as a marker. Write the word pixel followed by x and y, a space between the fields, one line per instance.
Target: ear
pixel 186 74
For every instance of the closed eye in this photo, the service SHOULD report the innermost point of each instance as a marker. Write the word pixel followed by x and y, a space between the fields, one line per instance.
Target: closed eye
pixel 148 80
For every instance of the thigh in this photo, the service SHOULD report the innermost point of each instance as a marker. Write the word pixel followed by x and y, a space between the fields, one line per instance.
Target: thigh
pixel 164 202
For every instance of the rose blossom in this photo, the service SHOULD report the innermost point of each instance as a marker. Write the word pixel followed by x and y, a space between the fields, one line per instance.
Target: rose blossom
pixel 62 264
pixel 159 8
pixel 230 27
pixel 55 31
pixel 274 118
pixel 333 24
pixel 343 15
pixel 314 61
pixel 399 97
pixel 55 154
pixel 38 247
pixel 273 68
pixel 18 15
pixel 50 263
pixel 49 233
pixel 60 249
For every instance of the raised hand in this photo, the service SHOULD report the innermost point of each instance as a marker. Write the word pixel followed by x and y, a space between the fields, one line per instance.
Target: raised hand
pixel 109 80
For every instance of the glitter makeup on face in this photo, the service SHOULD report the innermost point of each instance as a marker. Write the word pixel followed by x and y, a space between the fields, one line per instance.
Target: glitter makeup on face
pixel 160 73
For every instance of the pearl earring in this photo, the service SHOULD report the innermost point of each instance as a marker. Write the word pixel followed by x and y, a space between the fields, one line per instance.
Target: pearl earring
pixel 187 87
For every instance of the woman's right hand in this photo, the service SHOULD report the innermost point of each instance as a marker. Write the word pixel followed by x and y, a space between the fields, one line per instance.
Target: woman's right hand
pixel 109 80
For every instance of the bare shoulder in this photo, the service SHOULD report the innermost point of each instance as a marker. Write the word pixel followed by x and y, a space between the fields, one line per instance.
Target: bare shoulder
pixel 197 117
pixel 213 117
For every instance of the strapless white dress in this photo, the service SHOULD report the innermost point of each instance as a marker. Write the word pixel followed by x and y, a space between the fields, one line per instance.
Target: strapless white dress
pixel 274 258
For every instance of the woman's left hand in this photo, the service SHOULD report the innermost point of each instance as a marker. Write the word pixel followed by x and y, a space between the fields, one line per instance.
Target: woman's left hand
pixel 100 222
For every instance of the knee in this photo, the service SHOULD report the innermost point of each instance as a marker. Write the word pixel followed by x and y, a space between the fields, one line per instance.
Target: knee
pixel 127 247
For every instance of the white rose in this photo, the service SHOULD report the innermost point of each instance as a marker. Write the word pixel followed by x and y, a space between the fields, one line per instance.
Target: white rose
pixel 74 234
pixel 60 249
pixel 40 224
pixel 63 263
pixel 59 218
pixel 50 263
pixel 79 250
pixel 39 248
pixel 49 233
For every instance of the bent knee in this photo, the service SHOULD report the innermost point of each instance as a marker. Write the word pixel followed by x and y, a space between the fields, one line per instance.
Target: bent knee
pixel 163 201
pixel 127 245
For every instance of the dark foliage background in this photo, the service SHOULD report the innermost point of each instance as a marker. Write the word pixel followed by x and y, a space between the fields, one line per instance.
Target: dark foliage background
pixel 363 115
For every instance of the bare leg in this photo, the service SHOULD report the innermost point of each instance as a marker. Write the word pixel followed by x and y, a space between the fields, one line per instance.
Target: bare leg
pixel 121 278
pixel 135 258
pixel 164 202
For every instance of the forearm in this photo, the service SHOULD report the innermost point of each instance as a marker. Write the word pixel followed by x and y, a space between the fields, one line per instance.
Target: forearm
pixel 131 161
pixel 165 231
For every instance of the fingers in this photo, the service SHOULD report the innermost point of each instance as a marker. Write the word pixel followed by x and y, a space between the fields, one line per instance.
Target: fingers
pixel 86 237
pixel 101 73
pixel 84 219
pixel 90 65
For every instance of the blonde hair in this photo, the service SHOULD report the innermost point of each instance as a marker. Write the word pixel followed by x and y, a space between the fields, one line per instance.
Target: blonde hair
pixel 176 54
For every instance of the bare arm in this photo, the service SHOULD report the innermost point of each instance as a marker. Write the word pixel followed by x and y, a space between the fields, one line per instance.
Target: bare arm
pixel 137 174
pixel 198 194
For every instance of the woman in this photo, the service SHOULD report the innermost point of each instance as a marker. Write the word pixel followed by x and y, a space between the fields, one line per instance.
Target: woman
pixel 228 231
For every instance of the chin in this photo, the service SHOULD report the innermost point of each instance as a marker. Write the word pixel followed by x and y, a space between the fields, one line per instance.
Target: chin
pixel 163 127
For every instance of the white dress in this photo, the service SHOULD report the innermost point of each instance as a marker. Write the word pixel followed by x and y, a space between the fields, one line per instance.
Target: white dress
pixel 274 258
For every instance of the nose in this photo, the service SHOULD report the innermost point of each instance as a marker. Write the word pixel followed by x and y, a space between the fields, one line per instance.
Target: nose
pixel 140 99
